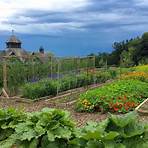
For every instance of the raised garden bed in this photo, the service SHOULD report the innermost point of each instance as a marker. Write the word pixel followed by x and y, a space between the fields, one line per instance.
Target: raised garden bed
pixel 62 95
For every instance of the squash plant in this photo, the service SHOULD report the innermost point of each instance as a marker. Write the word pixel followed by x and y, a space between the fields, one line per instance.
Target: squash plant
pixel 54 128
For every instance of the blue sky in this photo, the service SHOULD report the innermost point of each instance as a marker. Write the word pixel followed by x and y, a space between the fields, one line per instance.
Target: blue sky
pixel 72 27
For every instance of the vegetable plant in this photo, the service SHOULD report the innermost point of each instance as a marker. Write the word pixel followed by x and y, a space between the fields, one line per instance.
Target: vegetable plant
pixel 54 128
pixel 119 96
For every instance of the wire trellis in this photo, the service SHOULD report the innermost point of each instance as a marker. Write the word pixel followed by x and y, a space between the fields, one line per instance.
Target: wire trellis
pixel 16 71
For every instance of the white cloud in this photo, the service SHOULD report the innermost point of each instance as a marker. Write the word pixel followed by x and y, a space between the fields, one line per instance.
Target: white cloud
pixel 12 8
pixel 141 2
pixel 18 12
pixel 44 28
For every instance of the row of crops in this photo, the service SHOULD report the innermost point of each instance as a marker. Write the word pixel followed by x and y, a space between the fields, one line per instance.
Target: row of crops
pixel 36 78
pixel 17 72
pixel 123 95
pixel 48 87
pixel 52 128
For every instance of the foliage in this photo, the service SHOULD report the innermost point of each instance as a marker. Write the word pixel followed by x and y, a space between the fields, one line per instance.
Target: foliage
pixel 54 128
pixel 141 68
pixel 142 76
pixel 114 132
pixel 9 119
pixel 34 69
pixel 144 46
pixel 126 53
pixel 50 127
pixel 47 87
pixel 19 72
pixel 127 57
pixel 138 72
pixel 119 96
pixel 116 72
pixel 103 76
pixel 38 89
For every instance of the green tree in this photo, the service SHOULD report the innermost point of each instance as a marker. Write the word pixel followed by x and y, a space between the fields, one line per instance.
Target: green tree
pixel 144 47
pixel 127 57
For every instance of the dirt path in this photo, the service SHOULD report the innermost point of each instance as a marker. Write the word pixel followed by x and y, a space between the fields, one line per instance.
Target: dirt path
pixel 79 118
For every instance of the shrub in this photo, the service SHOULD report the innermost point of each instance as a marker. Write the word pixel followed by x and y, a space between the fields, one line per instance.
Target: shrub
pixel 120 96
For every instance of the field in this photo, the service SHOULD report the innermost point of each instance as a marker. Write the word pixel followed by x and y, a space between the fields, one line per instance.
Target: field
pixel 93 96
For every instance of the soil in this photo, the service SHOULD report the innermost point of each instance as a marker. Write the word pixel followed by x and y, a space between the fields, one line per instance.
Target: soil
pixel 80 118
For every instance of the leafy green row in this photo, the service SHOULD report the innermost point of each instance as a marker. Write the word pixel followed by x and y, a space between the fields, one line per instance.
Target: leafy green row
pixel 52 128
pixel 46 87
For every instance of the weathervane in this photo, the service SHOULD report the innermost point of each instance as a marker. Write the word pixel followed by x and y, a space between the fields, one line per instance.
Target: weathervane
pixel 12 29
pixel 12 32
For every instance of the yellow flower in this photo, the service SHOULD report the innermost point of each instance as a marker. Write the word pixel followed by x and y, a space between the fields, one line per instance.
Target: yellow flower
pixel 86 103
pixel 135 75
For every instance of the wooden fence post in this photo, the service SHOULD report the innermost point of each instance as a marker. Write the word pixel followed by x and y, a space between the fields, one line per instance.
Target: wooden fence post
pixel 5 87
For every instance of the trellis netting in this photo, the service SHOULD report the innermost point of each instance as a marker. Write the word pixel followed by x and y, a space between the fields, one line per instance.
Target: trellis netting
pixel 16 71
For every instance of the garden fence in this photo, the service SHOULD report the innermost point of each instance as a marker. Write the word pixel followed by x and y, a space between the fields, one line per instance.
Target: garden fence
pixel 17 71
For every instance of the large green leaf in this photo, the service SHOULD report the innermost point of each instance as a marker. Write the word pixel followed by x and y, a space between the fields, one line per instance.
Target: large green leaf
pixel 132 130
pixel 113 144
pixel 122 121
pixel 28 144
pixel 110 136
pixel 5 133
pixel 94 144
pixel 62 132
pixel 25 131
pixel 51 136
pixel 8 143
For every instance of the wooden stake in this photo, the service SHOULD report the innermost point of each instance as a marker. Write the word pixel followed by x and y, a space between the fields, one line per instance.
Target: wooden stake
pixel 141 104
pixel 5 75
pixel 4 93
pixel 5 87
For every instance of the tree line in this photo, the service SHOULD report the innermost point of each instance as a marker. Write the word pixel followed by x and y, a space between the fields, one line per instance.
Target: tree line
pixel 126 53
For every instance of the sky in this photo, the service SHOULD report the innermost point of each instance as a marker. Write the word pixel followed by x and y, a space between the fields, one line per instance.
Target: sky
pixel 72 27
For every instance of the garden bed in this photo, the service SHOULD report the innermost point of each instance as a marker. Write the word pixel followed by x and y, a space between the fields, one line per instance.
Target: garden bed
pixel 120 96
pixel 80 118
pixel 62 95
pixel 48 87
